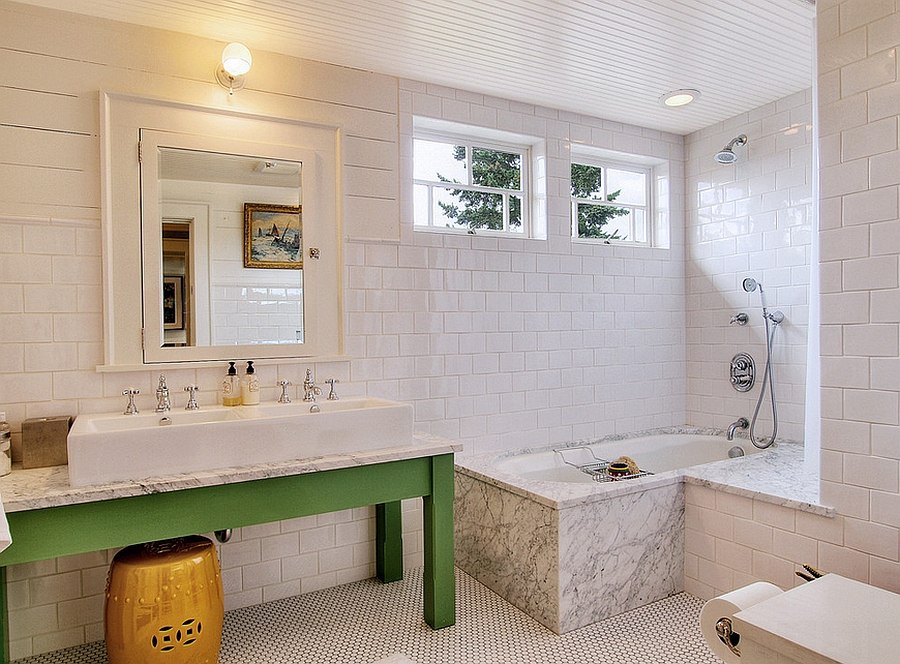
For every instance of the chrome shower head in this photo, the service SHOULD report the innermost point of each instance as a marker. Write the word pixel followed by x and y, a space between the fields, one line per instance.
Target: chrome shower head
pixel 726 155
pixel 750 284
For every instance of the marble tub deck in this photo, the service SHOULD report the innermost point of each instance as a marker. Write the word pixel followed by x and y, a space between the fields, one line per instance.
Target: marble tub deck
pixel 570 554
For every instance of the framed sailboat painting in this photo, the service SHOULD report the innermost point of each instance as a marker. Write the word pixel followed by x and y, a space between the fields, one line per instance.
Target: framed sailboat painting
pixel 273 236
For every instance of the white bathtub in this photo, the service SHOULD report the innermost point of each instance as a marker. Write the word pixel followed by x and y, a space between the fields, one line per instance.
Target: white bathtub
pixel 657 454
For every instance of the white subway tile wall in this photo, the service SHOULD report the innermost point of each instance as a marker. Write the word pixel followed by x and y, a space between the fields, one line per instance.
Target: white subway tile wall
pixel 753 218
pixel 263 313
pixel 507 342
pixel 861 298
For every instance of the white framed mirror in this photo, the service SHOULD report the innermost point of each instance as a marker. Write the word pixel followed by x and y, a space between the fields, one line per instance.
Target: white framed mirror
pixel 208 235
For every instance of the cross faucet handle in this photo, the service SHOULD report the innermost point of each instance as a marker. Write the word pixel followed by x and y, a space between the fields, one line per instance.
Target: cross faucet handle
pixel 332 395
pixel 192 399
pixel 131 408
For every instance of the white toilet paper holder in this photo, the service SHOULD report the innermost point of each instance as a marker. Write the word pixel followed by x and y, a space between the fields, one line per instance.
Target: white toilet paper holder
pixel 727 635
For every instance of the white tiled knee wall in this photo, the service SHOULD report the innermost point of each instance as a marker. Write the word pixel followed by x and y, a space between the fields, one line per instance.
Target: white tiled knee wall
pixel 59 603
pixel 731 541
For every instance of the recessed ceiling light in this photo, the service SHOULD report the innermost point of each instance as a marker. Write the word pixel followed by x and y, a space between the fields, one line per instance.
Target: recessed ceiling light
pixel 677 98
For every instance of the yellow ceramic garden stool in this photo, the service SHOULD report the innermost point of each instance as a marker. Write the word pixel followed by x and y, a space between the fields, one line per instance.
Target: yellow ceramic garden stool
pixel 164 603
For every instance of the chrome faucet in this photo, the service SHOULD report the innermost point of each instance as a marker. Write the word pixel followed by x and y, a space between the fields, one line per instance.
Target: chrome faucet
pixel 131 408
pixel 192 399
pixel 740 423
pixel 310 389
pixel 162 395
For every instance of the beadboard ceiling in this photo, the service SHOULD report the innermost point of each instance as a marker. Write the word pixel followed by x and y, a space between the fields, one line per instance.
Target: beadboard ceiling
pixel 606 58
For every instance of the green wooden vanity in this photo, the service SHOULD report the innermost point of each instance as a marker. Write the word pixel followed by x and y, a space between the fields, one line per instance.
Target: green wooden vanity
pixel 78 521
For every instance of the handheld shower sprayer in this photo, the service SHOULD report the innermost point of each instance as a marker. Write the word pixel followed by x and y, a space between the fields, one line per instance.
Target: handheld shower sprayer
pixel 750 284
pixel 775 318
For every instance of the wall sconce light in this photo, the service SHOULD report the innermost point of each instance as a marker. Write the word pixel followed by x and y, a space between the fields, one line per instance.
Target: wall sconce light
pixel 236 61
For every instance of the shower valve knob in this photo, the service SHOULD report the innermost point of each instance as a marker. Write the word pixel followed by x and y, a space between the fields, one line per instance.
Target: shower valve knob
pixel 742 372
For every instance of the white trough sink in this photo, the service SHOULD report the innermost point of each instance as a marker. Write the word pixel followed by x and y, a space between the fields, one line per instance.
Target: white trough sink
pixel 110 448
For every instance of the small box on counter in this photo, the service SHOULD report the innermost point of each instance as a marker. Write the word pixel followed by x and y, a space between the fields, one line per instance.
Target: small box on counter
pixel 44 441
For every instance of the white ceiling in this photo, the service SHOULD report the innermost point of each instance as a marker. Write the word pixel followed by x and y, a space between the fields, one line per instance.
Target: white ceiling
pixel 606 58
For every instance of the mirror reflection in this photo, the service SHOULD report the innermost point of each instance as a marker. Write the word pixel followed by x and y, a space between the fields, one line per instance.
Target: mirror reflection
pixel 231 265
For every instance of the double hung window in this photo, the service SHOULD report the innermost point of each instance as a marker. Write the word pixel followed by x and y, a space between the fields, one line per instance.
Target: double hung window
pixel 470 186
pixel 611 201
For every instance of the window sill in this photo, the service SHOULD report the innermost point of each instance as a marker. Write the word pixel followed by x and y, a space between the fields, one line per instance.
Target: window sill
pixel 613 243
pixel 472 233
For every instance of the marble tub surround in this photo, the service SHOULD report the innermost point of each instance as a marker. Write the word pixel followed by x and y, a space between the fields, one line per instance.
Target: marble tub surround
pixel 39 488
pixel 510 543
pixel 569 554
pixel 569 565
pixel 619 554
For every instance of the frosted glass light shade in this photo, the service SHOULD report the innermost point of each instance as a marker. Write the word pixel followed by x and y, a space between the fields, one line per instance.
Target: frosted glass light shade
pixel 677 98
pixel 236 59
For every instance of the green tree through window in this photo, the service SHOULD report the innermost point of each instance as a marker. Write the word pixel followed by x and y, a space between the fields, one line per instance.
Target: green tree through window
pixel 587 182
pixel 478 209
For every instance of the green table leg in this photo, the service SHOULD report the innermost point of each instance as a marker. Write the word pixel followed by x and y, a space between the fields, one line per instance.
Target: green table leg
pixel 388 542
pixel 4 619
pixel 439 582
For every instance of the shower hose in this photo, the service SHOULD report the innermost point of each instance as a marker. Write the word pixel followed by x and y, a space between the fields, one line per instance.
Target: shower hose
pixel 769 379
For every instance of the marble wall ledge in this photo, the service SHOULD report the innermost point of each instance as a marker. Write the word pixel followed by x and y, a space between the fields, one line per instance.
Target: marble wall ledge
pixel 778 475
pixel 40 488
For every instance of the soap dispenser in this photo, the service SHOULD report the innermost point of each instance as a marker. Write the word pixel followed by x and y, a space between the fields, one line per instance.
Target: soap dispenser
pixel 250 386
pixel 231 387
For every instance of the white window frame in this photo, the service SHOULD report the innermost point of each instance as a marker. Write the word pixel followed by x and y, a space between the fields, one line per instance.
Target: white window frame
pixel 622 165
pixel 470 142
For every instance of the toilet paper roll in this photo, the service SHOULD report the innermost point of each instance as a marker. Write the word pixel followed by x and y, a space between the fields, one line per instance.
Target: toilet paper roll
pixel 725 606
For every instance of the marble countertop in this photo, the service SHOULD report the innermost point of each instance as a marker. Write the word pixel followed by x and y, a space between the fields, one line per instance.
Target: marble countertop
pixel 777 475
pixel 40 488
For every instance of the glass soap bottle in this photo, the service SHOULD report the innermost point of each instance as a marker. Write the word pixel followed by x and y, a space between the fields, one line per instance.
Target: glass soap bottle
pixel 231 387
pixel 250 386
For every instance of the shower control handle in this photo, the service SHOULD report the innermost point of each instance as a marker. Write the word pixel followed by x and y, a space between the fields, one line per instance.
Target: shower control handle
pixel 742 372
